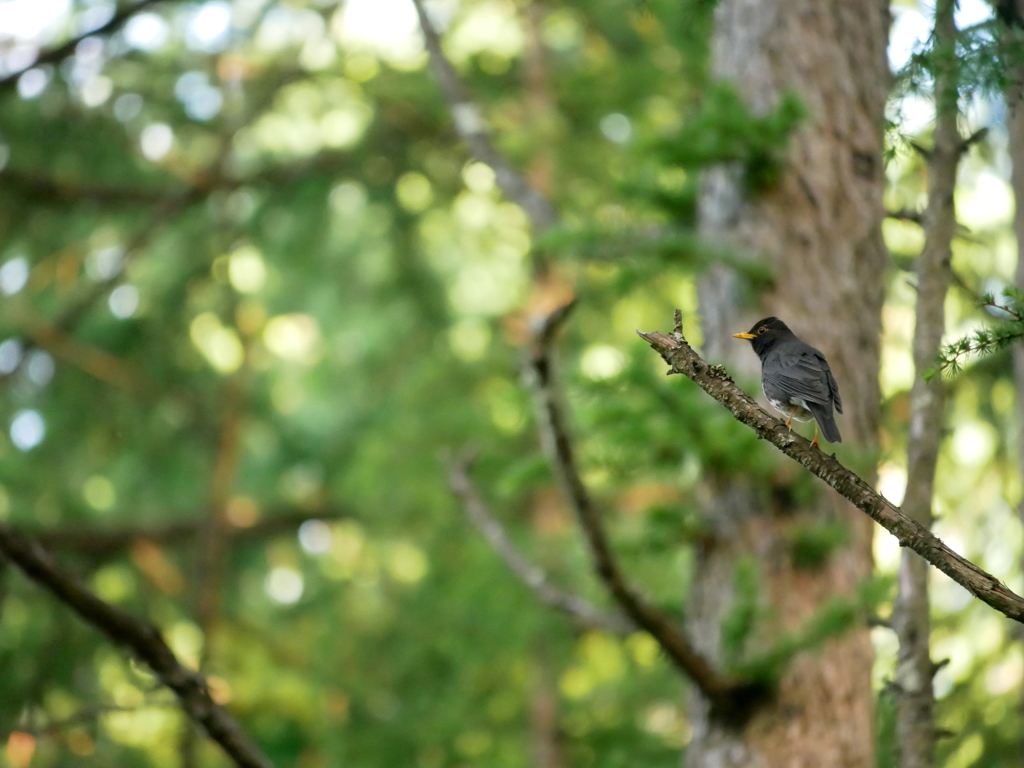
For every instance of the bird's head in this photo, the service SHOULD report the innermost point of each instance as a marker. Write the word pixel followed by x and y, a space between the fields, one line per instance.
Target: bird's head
pixel 766 334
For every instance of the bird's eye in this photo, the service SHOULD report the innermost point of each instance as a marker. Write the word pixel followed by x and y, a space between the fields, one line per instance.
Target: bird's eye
pixel 761 330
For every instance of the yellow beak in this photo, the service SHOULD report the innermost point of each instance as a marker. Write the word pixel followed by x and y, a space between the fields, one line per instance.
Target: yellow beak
pixel 744 336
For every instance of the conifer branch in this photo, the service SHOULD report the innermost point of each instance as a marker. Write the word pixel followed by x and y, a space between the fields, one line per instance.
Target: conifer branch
pixel 141 638
pixel 715 380
pixel 985 341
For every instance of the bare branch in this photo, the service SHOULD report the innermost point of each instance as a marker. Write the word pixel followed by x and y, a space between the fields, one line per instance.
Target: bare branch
pixel 714 380
pixel 141 638
pixel 469 123
pixel 725 695
pixel 479 515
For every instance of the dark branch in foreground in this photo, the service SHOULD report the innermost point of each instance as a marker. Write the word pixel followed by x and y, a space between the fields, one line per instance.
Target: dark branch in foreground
pixel 714 380
pixel 61 52
pixel 142 638
pixel 469 123
pixel 728 698
pixel 581 611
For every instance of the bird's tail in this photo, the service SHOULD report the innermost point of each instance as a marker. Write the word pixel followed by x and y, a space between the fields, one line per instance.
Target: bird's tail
pixel 826 422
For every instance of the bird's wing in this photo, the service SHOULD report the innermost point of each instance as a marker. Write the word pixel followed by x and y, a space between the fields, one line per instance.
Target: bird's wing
pixel 832 386
pixel 803 372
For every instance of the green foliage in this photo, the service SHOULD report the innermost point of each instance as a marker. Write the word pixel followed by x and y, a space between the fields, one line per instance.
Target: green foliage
pixel 725 130
pixel 985 341
pixel 832 619
pixel 741 620
pixel 811 545
pixel 885 730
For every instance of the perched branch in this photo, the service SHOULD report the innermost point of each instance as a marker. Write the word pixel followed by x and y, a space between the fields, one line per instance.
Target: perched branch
pixel 469 123
pixel 480 516
pixel 61 52
pixel 141 638
pixel 726 696
pixel 714 380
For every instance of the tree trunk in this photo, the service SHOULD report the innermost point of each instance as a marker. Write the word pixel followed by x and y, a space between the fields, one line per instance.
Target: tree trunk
pixel 915 700
pixel 819 229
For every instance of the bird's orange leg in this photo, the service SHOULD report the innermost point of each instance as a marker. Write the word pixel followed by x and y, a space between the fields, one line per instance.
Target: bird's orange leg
pixel 815 441
pixel 789 421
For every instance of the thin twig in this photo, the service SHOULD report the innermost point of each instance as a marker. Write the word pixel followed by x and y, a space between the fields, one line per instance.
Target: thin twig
pixel 725 695
pixel 976 137
pixel 580 610
pixel 905 214
pixel 141 638
pixel 716 382
pixel 469 123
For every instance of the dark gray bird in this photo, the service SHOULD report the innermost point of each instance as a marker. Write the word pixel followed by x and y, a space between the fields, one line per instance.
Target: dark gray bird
pixel 795 377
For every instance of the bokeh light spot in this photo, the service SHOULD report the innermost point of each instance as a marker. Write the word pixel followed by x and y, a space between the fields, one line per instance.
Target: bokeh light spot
pixel 294 337
pixel 617 127
pixel 284 585
pixel 32 83
pixel 156 141
pixel 105 263
pixel 479 178
pixel 39 367
pixel 27 429
pixel 99 493
pixel 146 32
pixel 414 192
pixel 14 275
pixel 315 536
pixel 19 749
pixel 209 27
pixel 220 345
pixel 10 356
pixel 469 338
pixel 601 361
pixel 246 270
pixel 406 562
pixel 124 300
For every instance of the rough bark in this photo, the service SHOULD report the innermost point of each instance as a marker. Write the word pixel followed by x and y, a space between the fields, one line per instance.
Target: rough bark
pixel 915 700
pixel 818 228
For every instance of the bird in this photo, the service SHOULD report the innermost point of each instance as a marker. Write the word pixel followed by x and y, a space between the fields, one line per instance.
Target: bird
pixel 795 377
